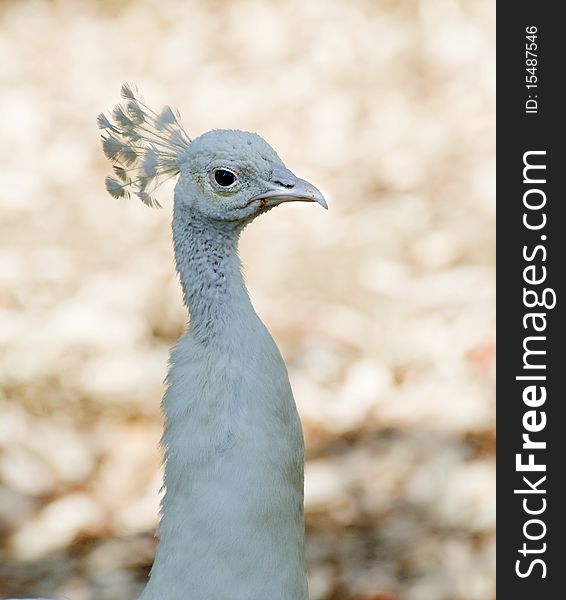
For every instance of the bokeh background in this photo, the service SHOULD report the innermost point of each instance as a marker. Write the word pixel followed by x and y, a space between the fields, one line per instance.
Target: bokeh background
pixel 383 306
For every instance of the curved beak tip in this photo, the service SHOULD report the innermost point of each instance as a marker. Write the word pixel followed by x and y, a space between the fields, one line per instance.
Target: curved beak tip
pixel 303 190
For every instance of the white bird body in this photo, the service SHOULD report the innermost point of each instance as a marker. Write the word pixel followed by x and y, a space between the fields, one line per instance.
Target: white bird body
pixel 232 524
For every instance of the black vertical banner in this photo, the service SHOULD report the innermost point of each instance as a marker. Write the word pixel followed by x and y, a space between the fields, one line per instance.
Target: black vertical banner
pixel 531 229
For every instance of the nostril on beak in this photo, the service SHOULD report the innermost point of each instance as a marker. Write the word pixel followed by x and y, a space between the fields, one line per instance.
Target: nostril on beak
pixel 284 178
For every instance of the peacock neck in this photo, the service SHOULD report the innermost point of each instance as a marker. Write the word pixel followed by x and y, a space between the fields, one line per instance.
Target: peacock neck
pixel 206 256
pixel 232 513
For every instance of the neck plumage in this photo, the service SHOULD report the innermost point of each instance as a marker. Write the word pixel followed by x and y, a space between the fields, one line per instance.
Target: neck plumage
pixel 232 514
pixel 206 256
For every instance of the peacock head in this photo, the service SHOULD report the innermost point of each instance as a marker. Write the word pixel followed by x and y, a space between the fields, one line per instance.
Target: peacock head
pixel 225 175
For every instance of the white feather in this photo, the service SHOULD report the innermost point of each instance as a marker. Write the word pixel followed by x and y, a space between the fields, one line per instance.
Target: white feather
pixel 144 147
pixel 166 118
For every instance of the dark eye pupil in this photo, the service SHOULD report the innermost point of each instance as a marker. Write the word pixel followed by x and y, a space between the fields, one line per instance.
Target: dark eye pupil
pixel 224 178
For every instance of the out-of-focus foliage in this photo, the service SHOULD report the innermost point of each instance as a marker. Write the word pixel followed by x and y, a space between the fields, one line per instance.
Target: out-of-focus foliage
pixel 383 306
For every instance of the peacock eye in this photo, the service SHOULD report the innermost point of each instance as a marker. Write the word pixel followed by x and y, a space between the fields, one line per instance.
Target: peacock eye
pixel 224 178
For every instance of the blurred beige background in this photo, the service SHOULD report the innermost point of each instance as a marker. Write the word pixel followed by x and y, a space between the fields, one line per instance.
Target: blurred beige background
pixel 383 306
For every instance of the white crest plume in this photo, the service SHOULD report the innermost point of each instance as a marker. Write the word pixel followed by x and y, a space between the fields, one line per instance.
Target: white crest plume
pixel 143 146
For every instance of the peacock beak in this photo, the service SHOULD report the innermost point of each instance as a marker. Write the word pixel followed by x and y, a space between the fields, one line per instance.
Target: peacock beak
pixel 288 188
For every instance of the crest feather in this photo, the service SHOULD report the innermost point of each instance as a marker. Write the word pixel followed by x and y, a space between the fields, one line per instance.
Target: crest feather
pixel 143 146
